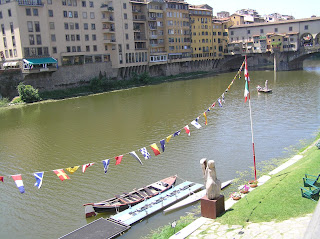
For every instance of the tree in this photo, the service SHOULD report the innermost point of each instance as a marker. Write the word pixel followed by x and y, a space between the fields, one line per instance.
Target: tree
pixel 27 93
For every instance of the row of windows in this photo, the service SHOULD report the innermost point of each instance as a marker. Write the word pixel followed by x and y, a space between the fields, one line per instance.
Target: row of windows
pixel 158 58
pixel 306 27
pixel 4 31
pixel 172 48
pixel 10 53
pixel 136 57
pixel 78 48
pixel 74 3
pixel 176 23
pixel 36 27
pixel 177 14
pixel 36 51
pixel 32 39
pixel 5 44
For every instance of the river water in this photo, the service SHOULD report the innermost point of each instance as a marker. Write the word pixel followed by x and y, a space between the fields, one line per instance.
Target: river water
pixel 55 135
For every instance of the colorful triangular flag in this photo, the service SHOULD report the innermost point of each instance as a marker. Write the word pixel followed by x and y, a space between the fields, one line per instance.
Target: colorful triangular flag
pixel 163 144
pixel 219 101
pixel 155 149
pixel 106 165
pixel 118 159
pixel 39 178
pixel 168 138
pixel 196 124
pixel 1 178
pixel 145 153
pixel 133 154
pixel 186 128
pixel 61 174
pixel 177 133
pixel 18 180
pixel 205 117
pixel 85 166
pixel 72 169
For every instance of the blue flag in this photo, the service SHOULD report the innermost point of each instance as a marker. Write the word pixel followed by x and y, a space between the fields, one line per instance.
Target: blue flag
pixel 106 165
pixel 145 153
pixel 163 144
pixel 39 177
pixel 176 133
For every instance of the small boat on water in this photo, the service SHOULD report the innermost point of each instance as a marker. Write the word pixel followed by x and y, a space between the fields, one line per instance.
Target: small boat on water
pixel 126 200
pixel 263 90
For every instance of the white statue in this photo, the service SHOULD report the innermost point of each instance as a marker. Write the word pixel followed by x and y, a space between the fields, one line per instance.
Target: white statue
pixel 213 185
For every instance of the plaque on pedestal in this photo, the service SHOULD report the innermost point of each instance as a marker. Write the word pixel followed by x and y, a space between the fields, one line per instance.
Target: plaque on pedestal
pixel 212 208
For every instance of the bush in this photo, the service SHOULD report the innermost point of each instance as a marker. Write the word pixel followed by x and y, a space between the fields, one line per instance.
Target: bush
pixel 27 93
pixel 16 100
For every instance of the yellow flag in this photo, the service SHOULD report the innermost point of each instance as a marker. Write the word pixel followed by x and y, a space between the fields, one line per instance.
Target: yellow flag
pixel 72 169
pixel 168 138
pixel 205 116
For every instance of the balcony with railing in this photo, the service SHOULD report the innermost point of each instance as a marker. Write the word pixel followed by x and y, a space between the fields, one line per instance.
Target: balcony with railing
pixel 139 17
pixel 106 8
pixel 36 3
pixel 108 19
pixel 109 40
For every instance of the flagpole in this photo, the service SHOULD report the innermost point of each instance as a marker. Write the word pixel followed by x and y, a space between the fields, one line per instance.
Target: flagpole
pixel 253 150
pixel 254 154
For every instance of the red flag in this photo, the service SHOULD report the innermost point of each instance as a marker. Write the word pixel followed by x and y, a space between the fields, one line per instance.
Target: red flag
pixel 1 178
pixel 118 159
pixel 186 128
pixel 61 174
pixel 85 166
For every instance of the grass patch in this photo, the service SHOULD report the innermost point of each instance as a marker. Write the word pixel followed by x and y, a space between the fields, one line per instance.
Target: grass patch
pixel 167 231
pixel 279 198
pixel 4 102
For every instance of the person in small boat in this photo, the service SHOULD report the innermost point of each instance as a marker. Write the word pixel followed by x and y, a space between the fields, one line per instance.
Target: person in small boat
pixel 266 85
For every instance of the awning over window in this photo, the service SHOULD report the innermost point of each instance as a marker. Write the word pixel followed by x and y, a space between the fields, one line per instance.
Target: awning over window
pixel 13 63
pixel 39 61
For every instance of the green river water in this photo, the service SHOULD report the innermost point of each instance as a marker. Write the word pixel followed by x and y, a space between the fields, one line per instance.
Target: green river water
pixel 61 134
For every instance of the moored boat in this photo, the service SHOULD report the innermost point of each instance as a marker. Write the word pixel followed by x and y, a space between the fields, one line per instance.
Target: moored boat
pixel 126 200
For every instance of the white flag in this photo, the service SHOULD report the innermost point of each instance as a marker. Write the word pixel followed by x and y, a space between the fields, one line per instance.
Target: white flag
pixel 196 124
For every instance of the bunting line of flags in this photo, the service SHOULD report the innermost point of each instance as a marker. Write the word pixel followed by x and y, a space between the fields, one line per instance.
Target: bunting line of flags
pixel 62 175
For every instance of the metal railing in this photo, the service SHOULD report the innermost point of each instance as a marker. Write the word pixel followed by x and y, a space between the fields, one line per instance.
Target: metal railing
pixel 30 2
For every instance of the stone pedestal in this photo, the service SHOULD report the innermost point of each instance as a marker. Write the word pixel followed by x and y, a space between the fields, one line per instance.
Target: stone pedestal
pixel 212 208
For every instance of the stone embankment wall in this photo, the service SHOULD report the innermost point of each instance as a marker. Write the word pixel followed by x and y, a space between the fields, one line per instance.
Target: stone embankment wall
pixel 77 75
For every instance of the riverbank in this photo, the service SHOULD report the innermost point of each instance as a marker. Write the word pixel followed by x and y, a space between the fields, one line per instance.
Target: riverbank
pixel 276 203
pixel 102 84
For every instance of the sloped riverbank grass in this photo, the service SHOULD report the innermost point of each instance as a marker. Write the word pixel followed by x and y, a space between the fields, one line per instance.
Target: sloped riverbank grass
pixel 278 199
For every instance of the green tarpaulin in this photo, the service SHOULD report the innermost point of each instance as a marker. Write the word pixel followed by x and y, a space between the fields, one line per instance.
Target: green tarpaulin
pixel 38 61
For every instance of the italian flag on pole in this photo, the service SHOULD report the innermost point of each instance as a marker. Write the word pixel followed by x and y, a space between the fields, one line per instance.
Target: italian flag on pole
pixel 247 78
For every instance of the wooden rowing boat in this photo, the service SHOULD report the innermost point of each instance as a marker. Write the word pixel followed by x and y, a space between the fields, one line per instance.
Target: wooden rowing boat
pixel 126 200
pixel 193 198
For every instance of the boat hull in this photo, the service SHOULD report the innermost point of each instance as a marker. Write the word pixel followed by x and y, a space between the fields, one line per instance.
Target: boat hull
pixel 126 200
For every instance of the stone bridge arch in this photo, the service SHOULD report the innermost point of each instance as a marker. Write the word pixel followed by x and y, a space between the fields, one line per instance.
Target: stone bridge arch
pixel 317 39
pixel 306 39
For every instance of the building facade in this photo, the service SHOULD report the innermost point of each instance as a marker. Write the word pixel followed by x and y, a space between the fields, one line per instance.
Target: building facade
pixel 281 36
pixel 40 35
pixel 201 30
